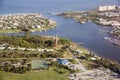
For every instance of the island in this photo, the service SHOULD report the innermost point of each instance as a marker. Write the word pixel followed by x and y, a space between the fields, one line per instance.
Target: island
pixel 35 57
pixel 25 22
pixel 102 15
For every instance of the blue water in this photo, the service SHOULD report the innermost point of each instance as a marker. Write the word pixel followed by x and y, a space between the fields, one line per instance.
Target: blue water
pixel 90 34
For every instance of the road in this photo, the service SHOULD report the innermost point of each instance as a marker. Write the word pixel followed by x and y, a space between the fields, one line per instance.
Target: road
pixel 81 66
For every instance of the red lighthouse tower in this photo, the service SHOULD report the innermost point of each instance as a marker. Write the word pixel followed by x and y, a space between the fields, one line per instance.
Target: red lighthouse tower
pixel 56 40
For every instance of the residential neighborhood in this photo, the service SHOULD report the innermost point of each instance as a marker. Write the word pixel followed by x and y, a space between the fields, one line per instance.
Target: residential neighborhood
pixel 28 21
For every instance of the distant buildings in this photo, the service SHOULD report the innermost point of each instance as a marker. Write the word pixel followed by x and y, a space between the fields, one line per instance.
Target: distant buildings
pixel 106 8
pixel 118 7
pixel 109 22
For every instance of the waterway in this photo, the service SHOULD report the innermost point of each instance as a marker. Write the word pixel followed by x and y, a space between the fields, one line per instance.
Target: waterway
pixel 90 34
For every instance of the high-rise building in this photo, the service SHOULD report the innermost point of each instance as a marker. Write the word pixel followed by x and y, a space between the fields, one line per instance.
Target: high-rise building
pixel 106 8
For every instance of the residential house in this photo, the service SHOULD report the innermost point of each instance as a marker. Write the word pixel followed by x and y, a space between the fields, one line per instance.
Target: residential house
pixel 63 61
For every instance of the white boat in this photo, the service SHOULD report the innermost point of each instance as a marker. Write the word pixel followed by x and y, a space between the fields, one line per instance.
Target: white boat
pixel 106 38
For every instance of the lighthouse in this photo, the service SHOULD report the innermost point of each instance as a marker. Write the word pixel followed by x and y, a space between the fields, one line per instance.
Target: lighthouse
pixel 56 40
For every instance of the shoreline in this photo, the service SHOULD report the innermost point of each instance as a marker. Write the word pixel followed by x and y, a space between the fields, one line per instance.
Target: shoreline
pixel 102 57
pixel 19 31
pixel 103 18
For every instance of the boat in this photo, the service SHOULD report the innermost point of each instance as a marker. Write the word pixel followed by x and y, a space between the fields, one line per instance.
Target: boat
pixel 80 43
pixel 106 38
pixel 82 22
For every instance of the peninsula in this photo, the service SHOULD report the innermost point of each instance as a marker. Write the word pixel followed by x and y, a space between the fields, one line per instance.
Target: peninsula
pixel 25 22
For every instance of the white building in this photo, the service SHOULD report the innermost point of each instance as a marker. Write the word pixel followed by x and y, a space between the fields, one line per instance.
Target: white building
pixel 102 8
pixel 106 8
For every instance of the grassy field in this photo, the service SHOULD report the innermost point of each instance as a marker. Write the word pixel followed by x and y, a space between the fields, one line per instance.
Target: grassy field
pixel 41 75
pixel 9 31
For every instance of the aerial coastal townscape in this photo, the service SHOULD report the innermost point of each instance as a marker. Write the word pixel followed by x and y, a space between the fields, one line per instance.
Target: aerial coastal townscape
pixel 40 57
